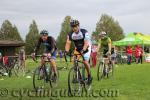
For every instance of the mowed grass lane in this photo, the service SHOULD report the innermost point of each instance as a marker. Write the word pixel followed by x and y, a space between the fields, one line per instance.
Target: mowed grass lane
pixel 132 82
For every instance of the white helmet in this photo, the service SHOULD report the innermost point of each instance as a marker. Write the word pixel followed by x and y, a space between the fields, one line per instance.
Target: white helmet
pixel 102 33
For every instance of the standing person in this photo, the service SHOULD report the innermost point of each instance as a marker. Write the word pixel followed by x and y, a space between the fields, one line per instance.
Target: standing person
pixel 113 55
pixel 129 54
pixel 5 60
pixel 1 64
pixel 141 54
pixel 1 59
pixel 60 55
pixel 137 53
pixel 94 51
pixel 21 57
pixel 82 43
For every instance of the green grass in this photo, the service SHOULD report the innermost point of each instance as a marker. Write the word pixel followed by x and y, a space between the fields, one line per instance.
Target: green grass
pixel 132 82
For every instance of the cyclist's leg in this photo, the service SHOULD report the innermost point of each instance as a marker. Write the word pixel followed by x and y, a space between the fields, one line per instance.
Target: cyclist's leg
pixel 106 59
pixel 53 62
pixel 87 65
pixel 113 59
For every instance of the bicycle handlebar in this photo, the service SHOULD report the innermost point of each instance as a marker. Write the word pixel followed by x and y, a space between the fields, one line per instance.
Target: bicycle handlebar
pixel 35 57
pixel 73 55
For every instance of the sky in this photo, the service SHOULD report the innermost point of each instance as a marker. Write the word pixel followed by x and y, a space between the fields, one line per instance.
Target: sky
pixel 133 16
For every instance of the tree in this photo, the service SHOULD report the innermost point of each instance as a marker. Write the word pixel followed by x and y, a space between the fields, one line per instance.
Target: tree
pixel 31 38
pixel 110 26
pixel 9 32
pixel 17 34
pixel 65 29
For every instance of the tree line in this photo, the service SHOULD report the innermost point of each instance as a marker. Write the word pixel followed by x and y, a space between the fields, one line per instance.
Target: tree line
pixel 106 23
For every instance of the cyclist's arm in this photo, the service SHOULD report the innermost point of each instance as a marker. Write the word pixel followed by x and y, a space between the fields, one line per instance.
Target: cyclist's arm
pixel 86 41
pixel 52 44
pixel 109 45
pixel 68 44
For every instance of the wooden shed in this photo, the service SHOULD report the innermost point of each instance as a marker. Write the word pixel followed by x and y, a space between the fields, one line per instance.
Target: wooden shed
pixel 8 47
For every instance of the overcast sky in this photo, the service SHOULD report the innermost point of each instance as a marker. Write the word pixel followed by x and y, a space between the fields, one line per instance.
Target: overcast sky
pixel 133 15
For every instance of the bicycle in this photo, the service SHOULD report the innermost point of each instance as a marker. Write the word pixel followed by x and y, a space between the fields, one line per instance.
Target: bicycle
pixel 3 71
pixel 43 76
pixel 77 82
pixel 20 70
pixel 104 71
pixel 11 67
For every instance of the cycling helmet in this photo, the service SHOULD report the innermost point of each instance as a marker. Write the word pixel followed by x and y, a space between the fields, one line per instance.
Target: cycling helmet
pixel 44 32
pixel 74 23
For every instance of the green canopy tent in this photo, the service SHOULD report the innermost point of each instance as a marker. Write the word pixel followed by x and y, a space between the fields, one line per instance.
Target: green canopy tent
pixel 143 37
pixel 133 39
pixel 146 39
pixel 128 40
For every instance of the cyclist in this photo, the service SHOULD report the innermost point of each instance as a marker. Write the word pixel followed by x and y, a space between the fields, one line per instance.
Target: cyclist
pixel 105 45
pixel 50 50
pixel 82 43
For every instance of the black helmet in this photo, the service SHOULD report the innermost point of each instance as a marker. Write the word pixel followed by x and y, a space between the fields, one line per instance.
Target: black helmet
pixel 44 32
pixel 74 23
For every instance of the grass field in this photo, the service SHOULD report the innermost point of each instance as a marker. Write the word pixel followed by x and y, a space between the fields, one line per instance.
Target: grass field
pixel 131 82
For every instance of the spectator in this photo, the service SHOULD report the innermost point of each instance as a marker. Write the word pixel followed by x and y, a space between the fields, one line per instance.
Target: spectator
pixel 1 63
pixel 137 54
pixel 129 54
pixel 94 51
pixel 5 60
pixel 21 58
pixel 141 55
pixel 60 55
pixel 1 58
pixel 113 55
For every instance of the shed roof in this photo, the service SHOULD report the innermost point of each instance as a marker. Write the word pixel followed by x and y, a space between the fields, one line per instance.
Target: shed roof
pixel 7 43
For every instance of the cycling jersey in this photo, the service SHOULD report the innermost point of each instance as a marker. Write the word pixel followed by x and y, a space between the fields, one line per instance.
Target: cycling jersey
pixel 104 43
pixel 50 45
pixel 79 38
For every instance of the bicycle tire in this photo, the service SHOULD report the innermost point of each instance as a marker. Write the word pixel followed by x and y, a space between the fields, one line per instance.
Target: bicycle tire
pixel 51 73
pixel 100 71
pixel 43 80
pixel 73 91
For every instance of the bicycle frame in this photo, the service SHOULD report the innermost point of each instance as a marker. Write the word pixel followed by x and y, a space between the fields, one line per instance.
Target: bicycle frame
pixel 76 65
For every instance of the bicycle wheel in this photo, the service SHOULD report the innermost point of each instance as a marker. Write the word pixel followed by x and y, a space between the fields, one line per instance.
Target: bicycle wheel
pixel 12 72
pixel 39 79
pixel 87 87
pixel 110 70
pixel 53 79
pixel 100 71
pixel 19 70
pixel 3 71
pixel 74 85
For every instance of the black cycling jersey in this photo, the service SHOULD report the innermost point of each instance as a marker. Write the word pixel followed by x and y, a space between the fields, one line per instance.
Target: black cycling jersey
pixel 50 44
pixel 78 39
pixel 112 50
